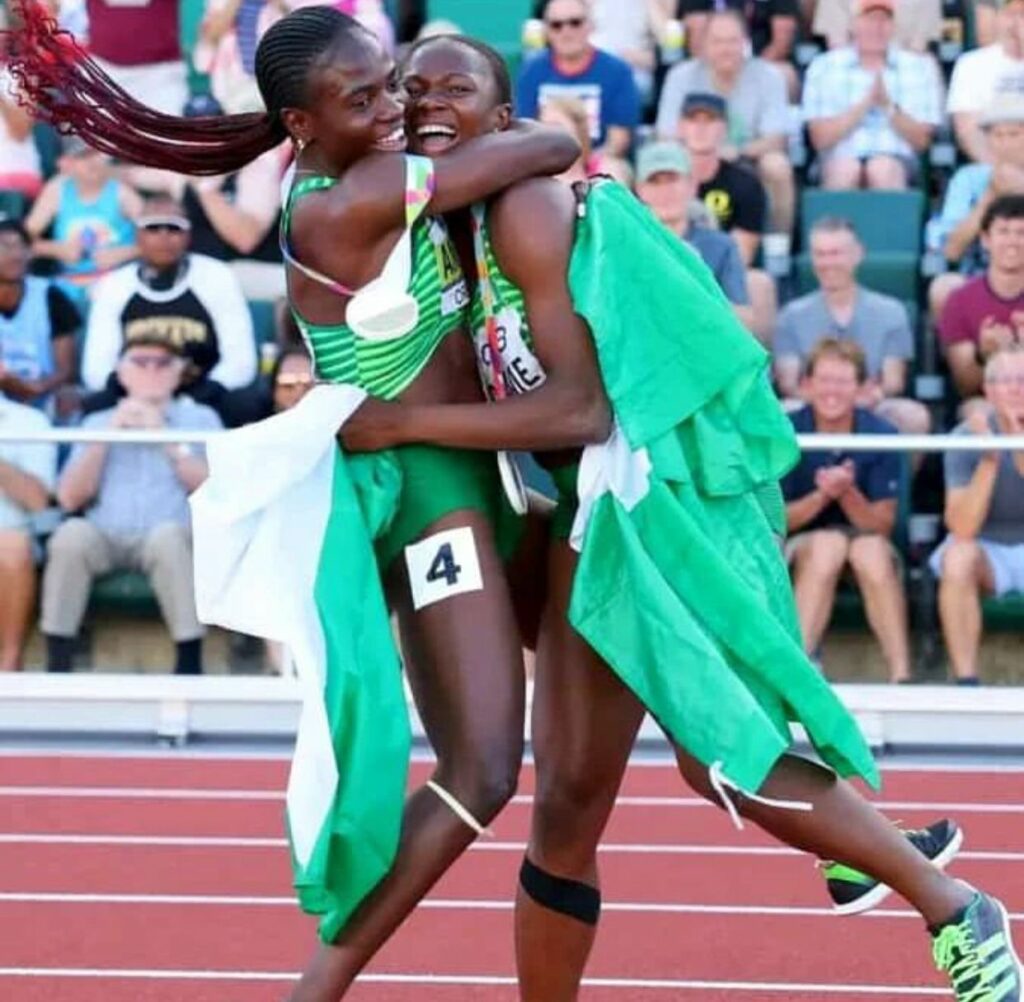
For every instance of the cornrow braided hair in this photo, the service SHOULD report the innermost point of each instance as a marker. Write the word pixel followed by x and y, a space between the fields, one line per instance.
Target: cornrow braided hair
pixel 59 83
pixel 499 68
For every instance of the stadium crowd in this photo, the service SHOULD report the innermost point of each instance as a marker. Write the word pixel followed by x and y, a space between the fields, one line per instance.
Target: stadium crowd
pixel 851 171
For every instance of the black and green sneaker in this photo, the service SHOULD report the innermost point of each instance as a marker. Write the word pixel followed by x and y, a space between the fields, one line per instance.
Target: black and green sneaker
pixel 976 952
pixel 853 892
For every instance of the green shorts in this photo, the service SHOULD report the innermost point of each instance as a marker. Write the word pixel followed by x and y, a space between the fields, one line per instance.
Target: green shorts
pixel 567 502
pixel 437 482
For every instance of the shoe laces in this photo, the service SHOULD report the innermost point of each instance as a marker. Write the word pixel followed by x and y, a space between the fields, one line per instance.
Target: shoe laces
pixel 956 952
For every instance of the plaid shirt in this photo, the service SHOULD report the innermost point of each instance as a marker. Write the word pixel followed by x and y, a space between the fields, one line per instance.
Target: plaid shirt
pixel 836 80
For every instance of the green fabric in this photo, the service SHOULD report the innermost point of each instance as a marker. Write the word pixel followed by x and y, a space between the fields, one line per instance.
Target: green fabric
pixel 566 503
pixel 364 697
pixel 437 481
pixel 687 596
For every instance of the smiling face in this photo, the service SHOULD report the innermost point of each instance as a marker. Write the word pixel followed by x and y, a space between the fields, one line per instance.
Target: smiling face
pixel 452 96
pixel 832 388
pixel 835 257
pixel 1004 242
pixel 354 106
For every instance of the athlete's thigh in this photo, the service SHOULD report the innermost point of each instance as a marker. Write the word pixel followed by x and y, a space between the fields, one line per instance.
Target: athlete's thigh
pixel 462 653
pixel 584 719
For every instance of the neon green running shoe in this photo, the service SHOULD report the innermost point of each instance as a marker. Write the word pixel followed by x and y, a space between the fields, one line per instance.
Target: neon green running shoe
pixel 853 892
pixel 976 953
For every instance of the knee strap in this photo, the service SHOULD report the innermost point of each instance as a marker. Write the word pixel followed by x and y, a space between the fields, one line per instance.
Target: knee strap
pixel 567 897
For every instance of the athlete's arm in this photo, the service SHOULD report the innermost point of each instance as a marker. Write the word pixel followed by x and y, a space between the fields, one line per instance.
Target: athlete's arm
pixel 532 228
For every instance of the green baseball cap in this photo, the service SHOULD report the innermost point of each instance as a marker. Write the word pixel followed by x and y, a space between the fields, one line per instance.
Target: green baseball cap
pixel 661 158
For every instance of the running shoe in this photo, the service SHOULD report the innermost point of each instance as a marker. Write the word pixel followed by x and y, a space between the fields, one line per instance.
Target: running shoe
pixel 853 892
pixel 976 952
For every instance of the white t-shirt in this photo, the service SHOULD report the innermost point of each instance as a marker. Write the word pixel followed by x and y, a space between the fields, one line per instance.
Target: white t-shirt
pixel 17 156
pixel 619 27
pixel 981 74
pixel 37 459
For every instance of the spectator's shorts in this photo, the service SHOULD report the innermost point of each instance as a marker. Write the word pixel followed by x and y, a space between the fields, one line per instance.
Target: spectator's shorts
pixel 437 482
pixel 794 542
pixel 1005 559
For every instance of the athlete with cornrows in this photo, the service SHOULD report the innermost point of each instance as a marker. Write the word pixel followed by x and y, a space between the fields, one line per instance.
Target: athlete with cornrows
pixel 378 294
pixel 679 602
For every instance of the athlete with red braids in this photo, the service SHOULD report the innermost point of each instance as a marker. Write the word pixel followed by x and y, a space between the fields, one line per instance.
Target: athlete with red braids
pixel 379 297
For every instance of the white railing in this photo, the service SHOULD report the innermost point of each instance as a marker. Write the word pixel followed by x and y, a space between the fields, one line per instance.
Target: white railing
pixel 173 708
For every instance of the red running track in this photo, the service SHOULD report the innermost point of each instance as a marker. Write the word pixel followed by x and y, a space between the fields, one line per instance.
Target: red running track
pixel 166 878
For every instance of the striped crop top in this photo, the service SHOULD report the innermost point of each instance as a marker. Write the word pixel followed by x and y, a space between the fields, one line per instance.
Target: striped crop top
pixel 394 323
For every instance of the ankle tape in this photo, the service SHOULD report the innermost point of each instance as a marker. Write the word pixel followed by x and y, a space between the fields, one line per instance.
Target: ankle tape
pixel 567 897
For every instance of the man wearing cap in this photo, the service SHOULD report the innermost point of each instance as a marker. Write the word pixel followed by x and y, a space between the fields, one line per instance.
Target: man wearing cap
pixel 758 109
pixel 733 194
pixel 972 189
pixel 38 324
pixel 980 74
pixel 871 107
pixel 234 217
pixel 664 183
pixel 133 505
pixel 190 300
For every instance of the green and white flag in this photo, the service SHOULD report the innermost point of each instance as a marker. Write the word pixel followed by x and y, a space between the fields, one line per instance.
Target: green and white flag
pixel 284 530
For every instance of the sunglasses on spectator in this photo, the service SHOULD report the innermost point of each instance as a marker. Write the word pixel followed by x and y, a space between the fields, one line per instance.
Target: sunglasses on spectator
pixel 159 362
pixel 290 381
pixel 569 22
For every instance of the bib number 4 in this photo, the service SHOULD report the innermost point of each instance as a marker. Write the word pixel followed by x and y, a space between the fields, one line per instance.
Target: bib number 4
pixel 442 566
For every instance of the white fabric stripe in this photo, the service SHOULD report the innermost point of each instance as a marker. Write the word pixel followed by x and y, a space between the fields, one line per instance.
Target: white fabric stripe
pixel 458 809
pixel 244 521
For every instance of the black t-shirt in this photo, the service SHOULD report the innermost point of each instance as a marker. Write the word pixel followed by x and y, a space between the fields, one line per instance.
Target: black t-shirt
pixel 64 316
pixel 206 240
pixel 736 199
pixel 759 14
pixel 183 321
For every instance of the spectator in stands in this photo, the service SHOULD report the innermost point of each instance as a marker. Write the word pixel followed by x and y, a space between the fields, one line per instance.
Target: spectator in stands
pixel 138 45
pixel 918 23
pixel 841 308
pixel 234 217
pixel 570 115
pixel 189 299
pixel 90 213
pixel 38 324
pixel 871 107
pixel 629 31
pixel 573 67
pixel 133 501
pixel 289 381
pixel 20 167
pixel 27 474
pixel 772 25
pixel 841 509
pixel 664 182
pixel 758 111
pixel 987 312
pixel 972 189
pixel 733 194
pixel 984 551
pixel 981 74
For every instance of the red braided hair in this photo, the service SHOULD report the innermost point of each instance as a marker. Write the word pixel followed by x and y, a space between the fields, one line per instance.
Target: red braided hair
pixel 59 83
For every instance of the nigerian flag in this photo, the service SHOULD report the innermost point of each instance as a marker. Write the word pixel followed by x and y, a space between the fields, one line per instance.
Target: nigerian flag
pixel 284 530
pixel 681 586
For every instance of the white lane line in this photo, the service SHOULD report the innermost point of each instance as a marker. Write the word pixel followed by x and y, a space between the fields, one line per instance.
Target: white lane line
pixel 188 793
pixel 442 904
pixel 476 981
pixel 614 848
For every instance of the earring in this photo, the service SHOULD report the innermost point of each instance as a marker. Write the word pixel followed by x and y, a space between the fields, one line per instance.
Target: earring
pixel 300 145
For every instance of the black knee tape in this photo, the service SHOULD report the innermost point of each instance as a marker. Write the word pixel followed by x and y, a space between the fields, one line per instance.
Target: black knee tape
pixel 567 897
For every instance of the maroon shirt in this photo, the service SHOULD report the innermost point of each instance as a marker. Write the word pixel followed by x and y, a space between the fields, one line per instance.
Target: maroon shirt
pixel 138 33
pixel 974 303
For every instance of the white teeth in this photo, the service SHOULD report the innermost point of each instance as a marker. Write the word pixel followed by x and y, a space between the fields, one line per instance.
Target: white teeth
pixel 435 130
pixel 394 137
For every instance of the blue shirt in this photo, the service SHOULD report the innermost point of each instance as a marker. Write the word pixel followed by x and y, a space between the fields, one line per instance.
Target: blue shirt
pixel 965 189
pixel 722 256
pixel 877 473
pixel 605 87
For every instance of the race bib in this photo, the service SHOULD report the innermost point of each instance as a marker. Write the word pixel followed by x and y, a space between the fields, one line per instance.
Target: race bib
pixel 442 566
pixel 522 369
pixel 454 293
